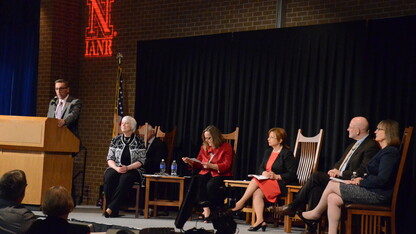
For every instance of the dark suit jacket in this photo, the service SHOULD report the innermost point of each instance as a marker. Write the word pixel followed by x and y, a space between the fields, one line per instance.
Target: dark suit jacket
pixel 57 226
pixel 157 150
pixel 359 159
pixel 70 113
pixel 285 165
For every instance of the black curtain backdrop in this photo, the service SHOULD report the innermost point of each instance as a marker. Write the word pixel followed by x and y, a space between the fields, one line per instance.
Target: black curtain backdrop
pixel 19 43
pixel 307 77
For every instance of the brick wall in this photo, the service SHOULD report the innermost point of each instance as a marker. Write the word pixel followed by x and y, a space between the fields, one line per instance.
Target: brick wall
pixel 308 12
pixel 93 79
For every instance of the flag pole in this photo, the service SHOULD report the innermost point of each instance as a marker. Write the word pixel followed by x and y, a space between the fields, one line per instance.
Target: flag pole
pixel 118 105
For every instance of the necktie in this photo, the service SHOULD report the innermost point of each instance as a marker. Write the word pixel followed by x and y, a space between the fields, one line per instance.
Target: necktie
pixel 59 110
pixel 347 158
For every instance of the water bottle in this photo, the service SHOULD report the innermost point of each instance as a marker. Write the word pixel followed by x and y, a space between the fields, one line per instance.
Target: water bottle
pixel 354 175
pixel 174 168
pixel 162 166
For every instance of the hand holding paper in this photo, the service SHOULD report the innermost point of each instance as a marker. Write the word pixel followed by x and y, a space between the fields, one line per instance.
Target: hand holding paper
pixel 195 160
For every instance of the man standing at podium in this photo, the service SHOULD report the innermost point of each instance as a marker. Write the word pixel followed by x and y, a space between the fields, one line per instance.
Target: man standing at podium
pixel 64 107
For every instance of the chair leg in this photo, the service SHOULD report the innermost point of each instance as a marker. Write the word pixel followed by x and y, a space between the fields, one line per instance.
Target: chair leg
pixel 348 223
pixel 393 224
pixel 104 205
pixel 136 206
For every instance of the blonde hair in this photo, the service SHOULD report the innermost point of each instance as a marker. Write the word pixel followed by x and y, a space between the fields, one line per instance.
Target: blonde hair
pixel 57 202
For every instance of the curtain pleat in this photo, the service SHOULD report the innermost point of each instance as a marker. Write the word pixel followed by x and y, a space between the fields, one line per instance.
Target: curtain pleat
pixel 19 42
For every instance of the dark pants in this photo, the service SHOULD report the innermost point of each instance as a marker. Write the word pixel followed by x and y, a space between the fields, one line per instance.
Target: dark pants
pixel 116 186
pixel 211 189
pixel 312 191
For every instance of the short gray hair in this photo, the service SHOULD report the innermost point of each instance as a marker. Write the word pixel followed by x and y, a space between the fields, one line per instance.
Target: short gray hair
pixel 131 120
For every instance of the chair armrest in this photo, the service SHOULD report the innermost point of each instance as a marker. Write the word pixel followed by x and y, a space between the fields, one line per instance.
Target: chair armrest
pixel 367 207
pixel 294 186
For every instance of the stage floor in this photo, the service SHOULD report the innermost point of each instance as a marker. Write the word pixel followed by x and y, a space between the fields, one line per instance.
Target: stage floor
pixel 93 214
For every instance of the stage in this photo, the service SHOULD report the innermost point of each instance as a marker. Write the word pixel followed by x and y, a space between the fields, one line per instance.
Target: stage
pixel 92 214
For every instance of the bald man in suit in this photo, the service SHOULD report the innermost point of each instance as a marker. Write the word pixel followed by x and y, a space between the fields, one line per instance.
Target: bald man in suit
pixel 354 159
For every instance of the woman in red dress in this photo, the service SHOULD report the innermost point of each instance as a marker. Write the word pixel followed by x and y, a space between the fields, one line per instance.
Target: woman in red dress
pixel 216 157
pixel 279 168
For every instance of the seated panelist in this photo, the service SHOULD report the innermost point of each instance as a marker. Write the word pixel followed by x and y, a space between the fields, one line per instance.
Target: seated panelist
pixel 156 151
pixel 279 166
pixel 126 157
pixel 216 157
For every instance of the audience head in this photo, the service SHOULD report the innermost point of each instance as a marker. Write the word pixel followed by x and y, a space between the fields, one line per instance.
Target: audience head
pixel 387 133
pixel 61 88
pixel 212 136
pixel 57 202
pixel 128 124
pixel 358 128
pixel 280 135
pixel 13 185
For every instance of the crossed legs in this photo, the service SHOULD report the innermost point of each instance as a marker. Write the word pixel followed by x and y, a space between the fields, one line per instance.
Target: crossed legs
pixel 254 191
pixel 331 200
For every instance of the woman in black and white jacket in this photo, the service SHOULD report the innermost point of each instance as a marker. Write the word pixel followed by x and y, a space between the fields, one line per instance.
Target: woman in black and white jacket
pixel 126 157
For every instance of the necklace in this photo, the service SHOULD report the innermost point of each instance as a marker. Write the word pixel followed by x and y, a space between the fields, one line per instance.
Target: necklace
pixel 127 140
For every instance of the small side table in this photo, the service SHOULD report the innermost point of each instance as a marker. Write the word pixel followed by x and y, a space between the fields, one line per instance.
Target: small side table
pixel 156 202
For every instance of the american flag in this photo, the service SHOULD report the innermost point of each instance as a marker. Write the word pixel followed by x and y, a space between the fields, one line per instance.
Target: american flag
pixel 118 108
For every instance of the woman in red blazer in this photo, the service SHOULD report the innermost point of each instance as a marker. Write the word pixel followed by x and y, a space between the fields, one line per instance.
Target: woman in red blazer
pixel 215 164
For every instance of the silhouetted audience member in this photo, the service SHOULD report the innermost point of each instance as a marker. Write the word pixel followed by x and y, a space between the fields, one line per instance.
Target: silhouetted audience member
pixel 57 204
pixel 14 218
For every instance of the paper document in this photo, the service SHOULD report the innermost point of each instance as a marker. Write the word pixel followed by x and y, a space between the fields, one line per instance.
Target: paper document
pixel 336 179
pixel 259 177
pixel 195 160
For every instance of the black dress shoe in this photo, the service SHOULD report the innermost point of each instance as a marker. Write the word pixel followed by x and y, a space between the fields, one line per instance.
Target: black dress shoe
pixel 287 210
pixel 254 229
pixel 311 223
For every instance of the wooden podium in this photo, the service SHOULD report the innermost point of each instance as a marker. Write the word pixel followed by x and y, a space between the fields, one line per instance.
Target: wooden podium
pixel 41 149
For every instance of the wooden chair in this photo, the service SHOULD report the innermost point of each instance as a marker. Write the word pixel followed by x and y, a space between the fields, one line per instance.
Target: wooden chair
pixel 371 221
pixel 169 139
pixel 232 139
pixel 307 151
pixel 142 132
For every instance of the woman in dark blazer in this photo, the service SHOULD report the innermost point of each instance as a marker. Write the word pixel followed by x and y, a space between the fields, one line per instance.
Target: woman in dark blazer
pixel 278 168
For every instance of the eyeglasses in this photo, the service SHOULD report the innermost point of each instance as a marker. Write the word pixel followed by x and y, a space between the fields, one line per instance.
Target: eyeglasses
pixel 380 129
pixel 208 138
pixel 61 88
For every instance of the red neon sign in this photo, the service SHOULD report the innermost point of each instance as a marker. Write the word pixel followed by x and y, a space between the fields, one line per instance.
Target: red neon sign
pixel 100 32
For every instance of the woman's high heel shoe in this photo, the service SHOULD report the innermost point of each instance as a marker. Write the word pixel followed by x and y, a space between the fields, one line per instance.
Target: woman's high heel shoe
pixel 309 222
pixel 244 205
pixel 254 229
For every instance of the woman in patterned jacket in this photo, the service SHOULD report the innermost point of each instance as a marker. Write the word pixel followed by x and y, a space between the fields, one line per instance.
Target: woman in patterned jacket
pixel 126 157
